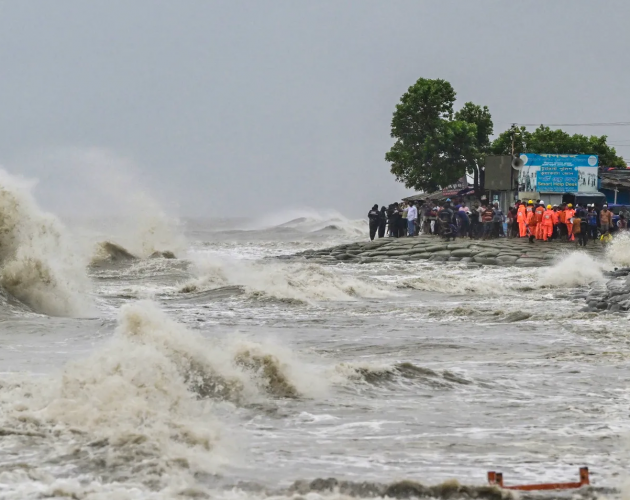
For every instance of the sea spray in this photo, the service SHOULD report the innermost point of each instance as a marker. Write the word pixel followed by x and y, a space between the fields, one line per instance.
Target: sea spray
pixel 618 251
pixel 275 280
pixel 571 270
pixel 39 263
pixel 111 199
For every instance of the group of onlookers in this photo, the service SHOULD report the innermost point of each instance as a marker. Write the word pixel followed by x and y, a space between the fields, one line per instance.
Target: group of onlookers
pixel 414 217
pixel 398 220
pixel 483 220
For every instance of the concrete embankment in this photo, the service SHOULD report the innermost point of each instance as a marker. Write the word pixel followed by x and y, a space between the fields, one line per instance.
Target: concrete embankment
pixel 497 252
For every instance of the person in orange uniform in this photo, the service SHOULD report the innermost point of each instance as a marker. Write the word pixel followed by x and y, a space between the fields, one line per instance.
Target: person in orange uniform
pixel 556 221
pixel 521 218
pixel 569 213
pixel 562 227
pixel 540 210
pixel 531 220
pixel 546 225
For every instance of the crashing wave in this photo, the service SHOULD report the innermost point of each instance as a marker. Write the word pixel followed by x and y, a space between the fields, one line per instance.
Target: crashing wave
pixel 296 282
pixel 38 264
pixel 148 392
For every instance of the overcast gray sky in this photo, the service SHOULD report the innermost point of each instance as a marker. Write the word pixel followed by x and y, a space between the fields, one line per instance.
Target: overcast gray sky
pixel 224 107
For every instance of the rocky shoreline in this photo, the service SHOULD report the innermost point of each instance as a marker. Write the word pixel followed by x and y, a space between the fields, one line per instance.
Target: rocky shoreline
pixel 497 252
pixel 614 296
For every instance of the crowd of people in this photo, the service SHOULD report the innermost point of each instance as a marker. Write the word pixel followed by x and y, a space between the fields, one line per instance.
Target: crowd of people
pixel 525 219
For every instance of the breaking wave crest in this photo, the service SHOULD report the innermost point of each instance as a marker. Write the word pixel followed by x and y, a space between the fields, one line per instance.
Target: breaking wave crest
pixel 311 221
pixel 399 372
pixel 571 270
pixel 147 396
pixel 272 280
pixel 38 264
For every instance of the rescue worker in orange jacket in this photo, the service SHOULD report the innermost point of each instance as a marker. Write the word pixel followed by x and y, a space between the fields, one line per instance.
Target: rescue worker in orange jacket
pixel 531 220
pixel 562 227
pixel 538 213
pixel 569 213
pixel 547 223
pixel 521 218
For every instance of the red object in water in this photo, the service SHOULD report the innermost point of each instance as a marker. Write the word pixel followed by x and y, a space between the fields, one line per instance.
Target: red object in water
pixel 496 479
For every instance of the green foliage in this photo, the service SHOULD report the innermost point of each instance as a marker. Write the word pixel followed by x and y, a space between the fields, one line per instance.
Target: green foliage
pixel 433 149
pixel 480 117
pixel 471 113
pixel 544 140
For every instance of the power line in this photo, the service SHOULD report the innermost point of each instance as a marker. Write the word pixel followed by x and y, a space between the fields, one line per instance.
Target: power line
pixel 597 124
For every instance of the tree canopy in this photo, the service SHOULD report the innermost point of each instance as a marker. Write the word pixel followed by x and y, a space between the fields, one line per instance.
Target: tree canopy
pixel 545 140
pixel 433 147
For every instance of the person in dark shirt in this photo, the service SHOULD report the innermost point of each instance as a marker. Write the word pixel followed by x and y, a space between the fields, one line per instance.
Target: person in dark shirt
pixel 446 218
pixel 382 222
pixel 591 220
pixel 394 221
pixel 373 218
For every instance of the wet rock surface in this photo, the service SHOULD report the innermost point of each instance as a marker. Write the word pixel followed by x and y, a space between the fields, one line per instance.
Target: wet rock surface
pixel 498 252
pixel 614 296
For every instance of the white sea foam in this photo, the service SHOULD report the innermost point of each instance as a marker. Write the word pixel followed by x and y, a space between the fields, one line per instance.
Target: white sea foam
pixel 39 262
pixel 292 281
pixel 111 199
pixel 618 252
pixel 571 270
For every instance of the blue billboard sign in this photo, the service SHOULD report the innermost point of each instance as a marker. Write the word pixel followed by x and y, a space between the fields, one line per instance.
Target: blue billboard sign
pixel 558 173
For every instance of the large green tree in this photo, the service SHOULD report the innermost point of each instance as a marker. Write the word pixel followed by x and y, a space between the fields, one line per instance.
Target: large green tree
pixel 433 147
pixel 480 117
pixel 545 140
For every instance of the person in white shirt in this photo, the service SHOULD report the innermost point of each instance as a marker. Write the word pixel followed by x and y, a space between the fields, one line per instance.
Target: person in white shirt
pixel 412 217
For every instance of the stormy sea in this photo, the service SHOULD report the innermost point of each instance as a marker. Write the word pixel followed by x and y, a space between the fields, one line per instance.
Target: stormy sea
pixel 153 358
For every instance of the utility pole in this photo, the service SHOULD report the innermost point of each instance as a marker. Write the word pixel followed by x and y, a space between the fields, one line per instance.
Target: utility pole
pixel 513 133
